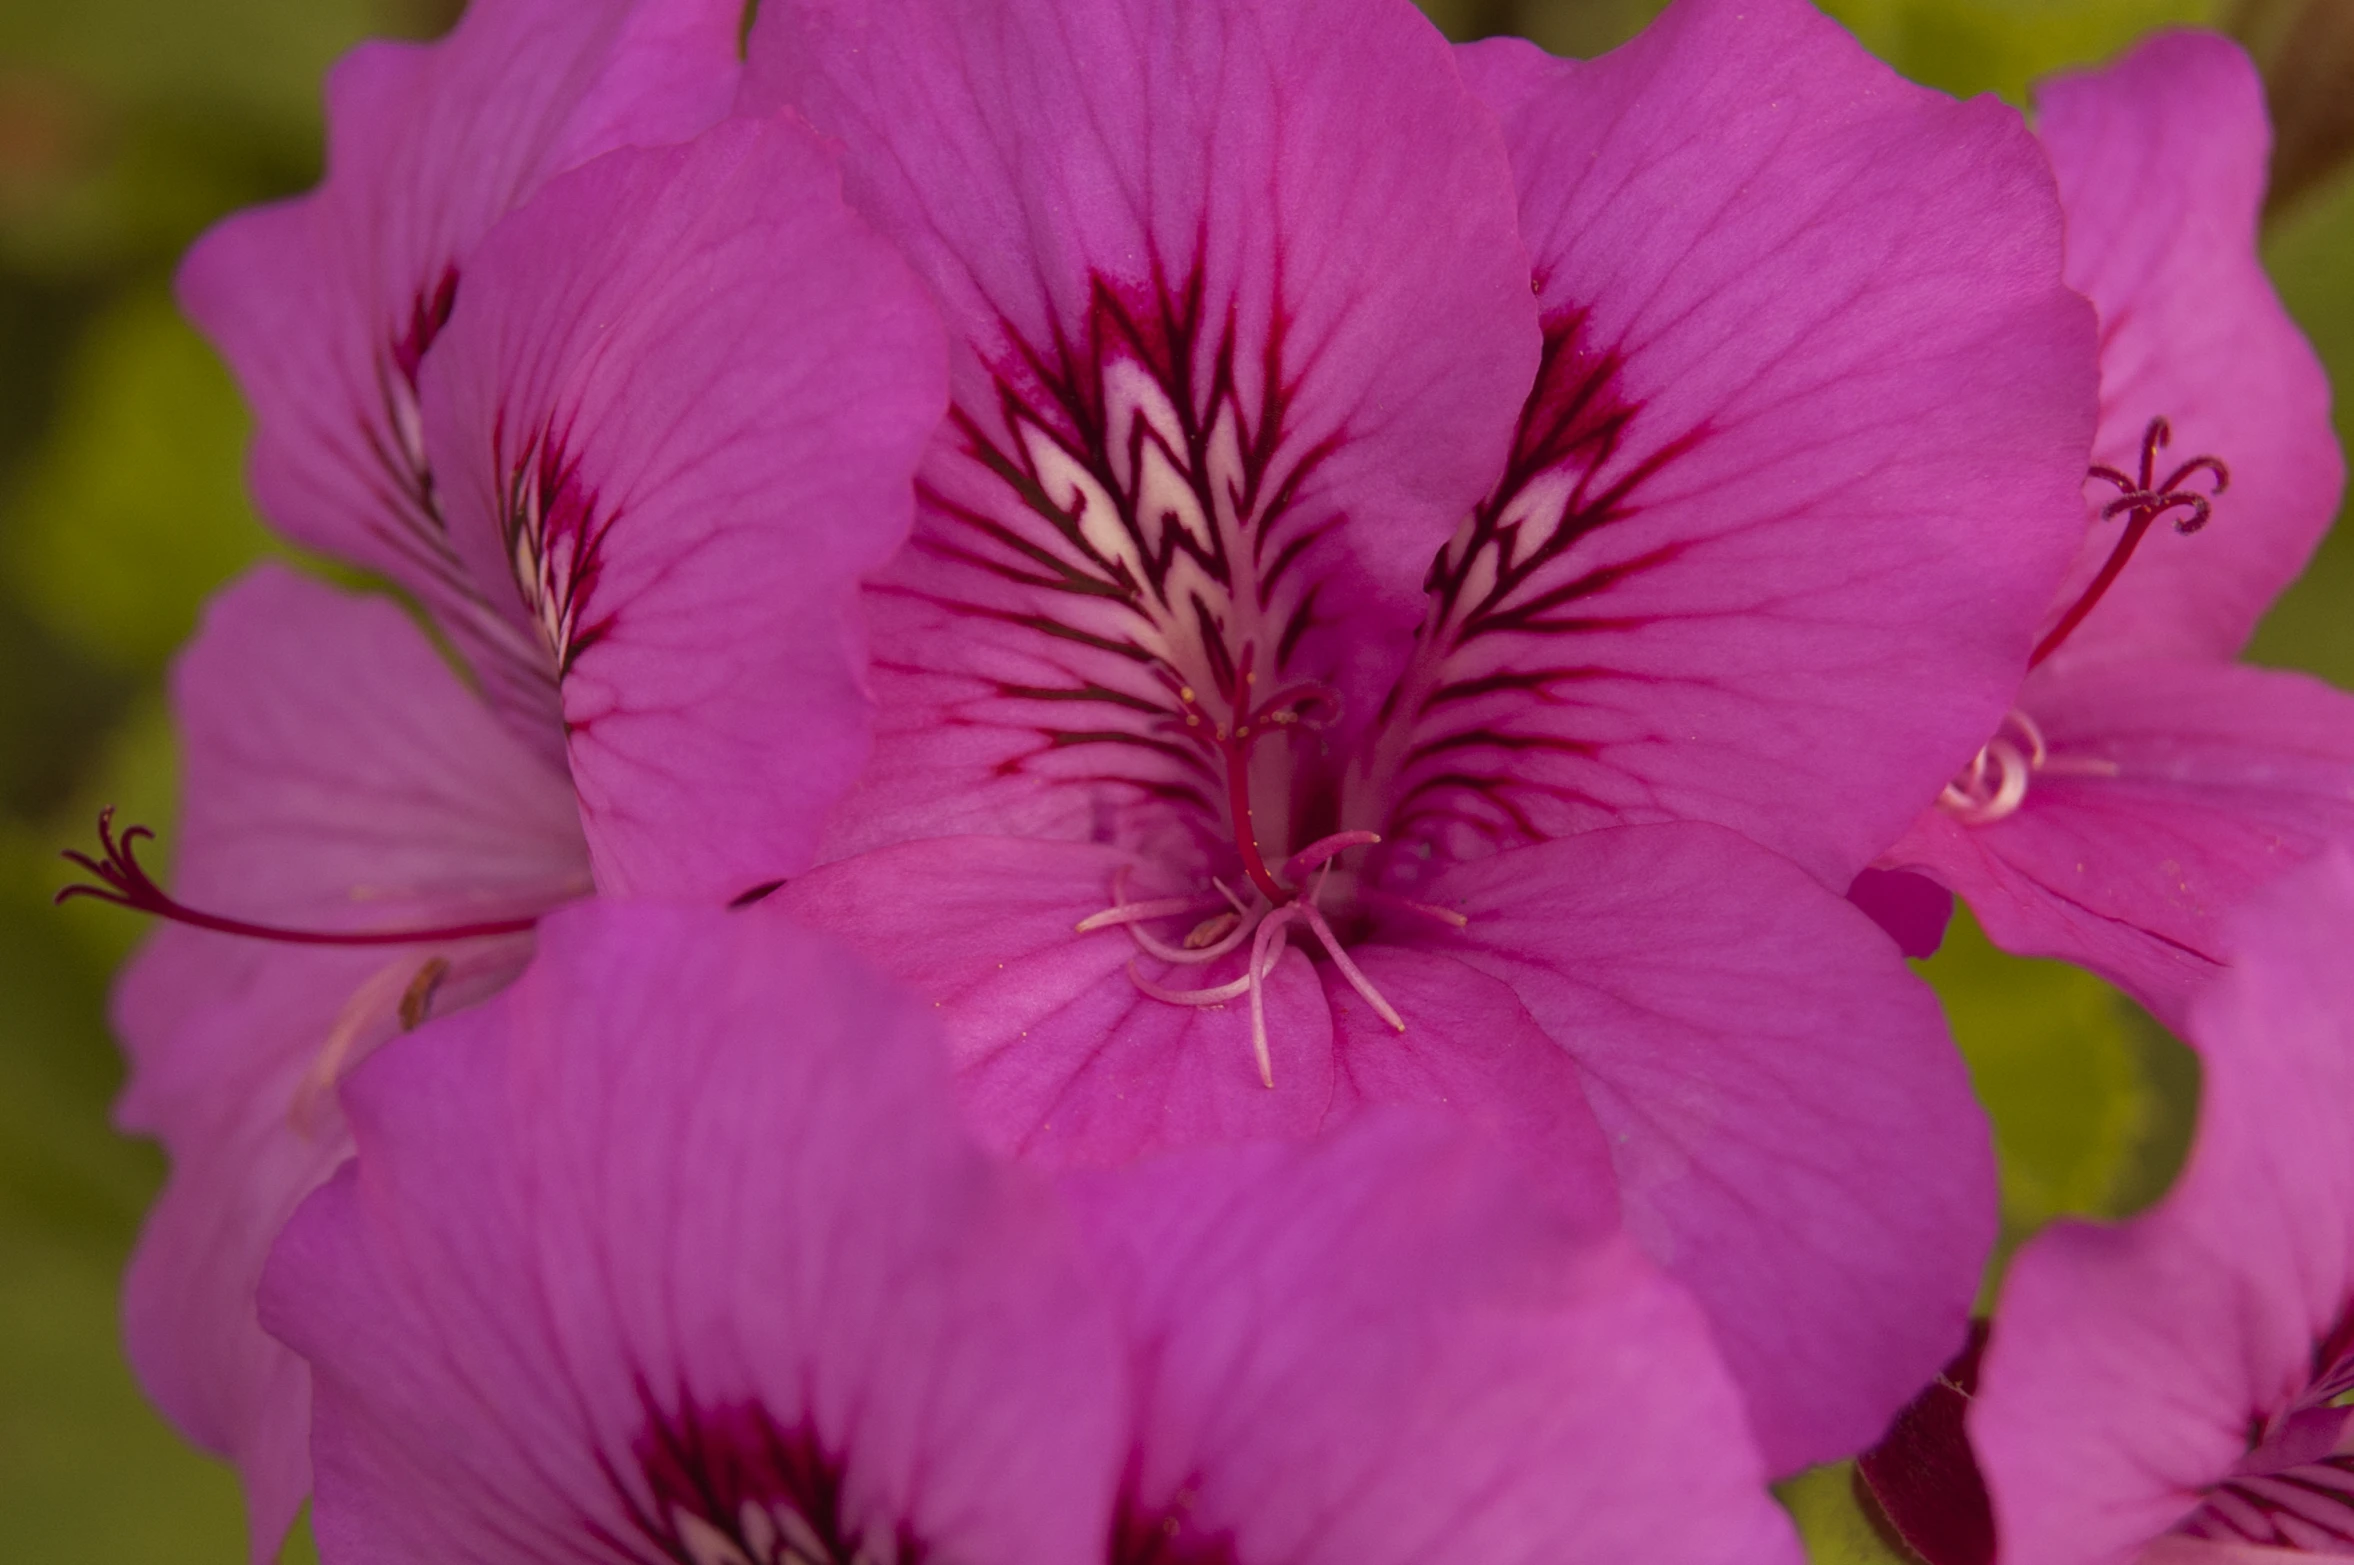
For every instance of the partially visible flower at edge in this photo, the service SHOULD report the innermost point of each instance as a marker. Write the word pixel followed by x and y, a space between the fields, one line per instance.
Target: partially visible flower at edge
pixel 2144 784
pixel 2177 1389
pixel 622 451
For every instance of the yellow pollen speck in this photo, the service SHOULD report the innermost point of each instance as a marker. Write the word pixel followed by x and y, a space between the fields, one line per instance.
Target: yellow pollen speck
pixel 1185 692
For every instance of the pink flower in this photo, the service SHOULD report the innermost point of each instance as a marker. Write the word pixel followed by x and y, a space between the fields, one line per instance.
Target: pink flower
pixel 2144 784
pixel 677 1251
pixel 1259 609
pixel 2174 1389
pixel 621 474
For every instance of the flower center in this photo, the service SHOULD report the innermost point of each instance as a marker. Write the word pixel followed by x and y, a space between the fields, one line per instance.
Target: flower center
pixel 2295 1488
pixel 729 1486
pixel 1280 901
pixel 1994 784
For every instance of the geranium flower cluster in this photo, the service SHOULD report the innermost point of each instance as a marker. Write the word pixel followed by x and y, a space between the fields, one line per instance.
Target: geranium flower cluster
pixel 1107 806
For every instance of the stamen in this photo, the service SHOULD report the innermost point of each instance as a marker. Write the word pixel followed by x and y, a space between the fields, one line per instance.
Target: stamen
pixel 1349 969
pixel 362 1012
pixel 417 1000
pixel 125 884
pixel 1135 912
pixel 1444 915
pixel 1190 955
pixel 2142 499
pixel 1324 849
pixel 1972 799
pixel 1266 950
pixel 1212 930
pixel 1217 996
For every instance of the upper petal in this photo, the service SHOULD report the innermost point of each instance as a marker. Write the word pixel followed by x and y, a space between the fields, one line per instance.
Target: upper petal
pixel 2174 791
pixel 335 773
pixel 678 408
pixel 676 1250
pixel 1202 411
pixel 324 305
pixel 1794 1134
pixel 2161 162
pixel 1804 462
pixel 1382 1349
pixel 2129 1365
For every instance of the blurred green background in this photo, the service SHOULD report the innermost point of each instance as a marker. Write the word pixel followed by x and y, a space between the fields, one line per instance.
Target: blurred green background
pixel 127 125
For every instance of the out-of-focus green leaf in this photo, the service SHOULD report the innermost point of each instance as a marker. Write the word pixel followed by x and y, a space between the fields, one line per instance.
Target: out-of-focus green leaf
pixel 1822 1501
pixel 2051 1060
pixel 136 510
pixel 264 56
pixel 2311 257
pixel 2306 51
pixel 88 1474
pixel 1972 46
pixel 2091 1102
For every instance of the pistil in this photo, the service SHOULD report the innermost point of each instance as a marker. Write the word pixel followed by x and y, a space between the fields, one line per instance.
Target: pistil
pixel 1994 784
pixel 2142 501
pixel 125 883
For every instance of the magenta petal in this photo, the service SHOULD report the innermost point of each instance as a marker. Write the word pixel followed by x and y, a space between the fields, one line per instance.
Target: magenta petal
pixel 2174 791
pixel 1062 1058
pixel 325 305
pixel 2130 1366
pixel 335 774
pixel 2161 162
pixel 676 1247
pixel 1794 1134
pixel 1381 1349
pixel 1059 1056
pixel 1200 409
pixel 678 407
pixel 223 1035
pixel 1812 427
pixel 1021 152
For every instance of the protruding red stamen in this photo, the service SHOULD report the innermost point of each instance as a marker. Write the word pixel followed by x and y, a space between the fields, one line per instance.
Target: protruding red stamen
pixel 125 884
pixel 2143 500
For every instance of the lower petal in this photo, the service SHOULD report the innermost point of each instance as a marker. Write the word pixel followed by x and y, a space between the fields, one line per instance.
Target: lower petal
pixel 1793 1132
pixel 1062 1057
pixel 236 1049
pixel 1380 1349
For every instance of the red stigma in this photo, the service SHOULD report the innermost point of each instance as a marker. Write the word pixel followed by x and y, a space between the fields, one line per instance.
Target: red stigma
pixel 2142 499
pixel 123 882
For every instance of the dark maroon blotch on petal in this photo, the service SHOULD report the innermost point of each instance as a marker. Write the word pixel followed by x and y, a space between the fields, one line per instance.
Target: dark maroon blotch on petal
pixel 1140 1537
pixel 1921 1482
pixel 773 1493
